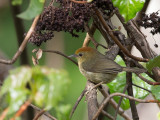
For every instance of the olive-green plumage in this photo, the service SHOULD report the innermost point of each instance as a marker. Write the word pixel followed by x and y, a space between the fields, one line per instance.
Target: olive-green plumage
pixel 96 67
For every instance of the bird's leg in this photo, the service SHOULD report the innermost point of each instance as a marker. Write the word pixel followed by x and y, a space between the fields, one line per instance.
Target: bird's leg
pixel 97 85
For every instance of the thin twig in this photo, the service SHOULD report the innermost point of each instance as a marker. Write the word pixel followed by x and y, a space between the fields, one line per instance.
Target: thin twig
pixel 79 2
pixel 148 81
pixel 90 33
pixel 19 28
pixel 22 109
pixel 113 103
pixel 110 32
pixel 57 52
pixel 124 95
pixel 119 103
pixel 4 113
pixel 23 45
pixel 107 115
pixel 46 114
pixel 141 87
pixel 77 102
pixel 88 38
pixel 39 114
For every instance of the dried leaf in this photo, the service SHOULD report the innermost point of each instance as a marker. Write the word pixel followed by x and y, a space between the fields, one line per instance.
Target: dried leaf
pixel 34 50
pixel 39 54
pixel 35 61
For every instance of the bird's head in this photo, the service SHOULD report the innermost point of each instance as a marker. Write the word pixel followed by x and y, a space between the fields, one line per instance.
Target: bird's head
pixel 85 54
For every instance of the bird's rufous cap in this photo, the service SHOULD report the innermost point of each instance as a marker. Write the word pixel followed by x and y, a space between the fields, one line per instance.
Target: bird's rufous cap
pixel 84 49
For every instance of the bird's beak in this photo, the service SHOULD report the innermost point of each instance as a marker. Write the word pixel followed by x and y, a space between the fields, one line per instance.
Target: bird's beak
pixel 74 55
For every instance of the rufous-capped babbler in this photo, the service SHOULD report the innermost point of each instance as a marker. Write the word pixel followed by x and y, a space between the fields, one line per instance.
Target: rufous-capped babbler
pixel 97 68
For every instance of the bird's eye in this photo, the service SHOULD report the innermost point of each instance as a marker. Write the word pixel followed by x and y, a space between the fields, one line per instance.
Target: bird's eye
pixel 80 54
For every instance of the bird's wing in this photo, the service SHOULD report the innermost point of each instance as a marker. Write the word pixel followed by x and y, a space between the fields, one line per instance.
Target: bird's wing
pixel 105 66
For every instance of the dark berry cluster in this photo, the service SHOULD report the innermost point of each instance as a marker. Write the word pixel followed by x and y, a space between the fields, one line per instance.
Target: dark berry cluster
pixel 67 16
pixel 151 21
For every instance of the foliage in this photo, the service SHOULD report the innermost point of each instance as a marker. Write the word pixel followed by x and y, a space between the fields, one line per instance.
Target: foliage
pixel 156 91
pixel 16 2
pixel 155 62
pixel 46 88
pixel 35 7
pixel 128 8
pixel 119 83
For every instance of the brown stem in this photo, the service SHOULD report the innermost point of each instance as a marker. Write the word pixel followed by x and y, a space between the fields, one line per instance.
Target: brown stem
pixel 88 35
pixel 57 52
pixel 145 6
pixel 19 27
pixel 110 32
pixel 107 115
pixel 23 45
pixel 79 2
pixel 47 114
pixel 4 113
pixel 105 93
pixel 124 95
pixel 141 88
pixel 22 109
pixel 77 102
pixel 130 93
pixel 39 114
pixel 119 103
pixel 148 81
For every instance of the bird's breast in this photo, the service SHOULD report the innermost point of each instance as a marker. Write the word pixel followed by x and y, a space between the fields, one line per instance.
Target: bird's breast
pixel 97 77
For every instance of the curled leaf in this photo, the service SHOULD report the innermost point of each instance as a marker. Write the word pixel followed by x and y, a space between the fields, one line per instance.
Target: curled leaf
pixel 39 54
pixel 35 61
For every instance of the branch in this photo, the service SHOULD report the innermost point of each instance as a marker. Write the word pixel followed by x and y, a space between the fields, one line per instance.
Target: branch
pixel 4 113
pixel 88 35
pixel 39 114
pixel 46 114
pixel 57 52
pixel 105 93
pixel 22 109
pixel 124 95
pixel 79 2
pixel 91 98
pixel 23 45
pixel 119 103
pixel 148 81
pixel 77 102
pixel 107 115
pixel 136 36
pixel 141 88
pixel 130 92
pixel 19 28
pixel 110 32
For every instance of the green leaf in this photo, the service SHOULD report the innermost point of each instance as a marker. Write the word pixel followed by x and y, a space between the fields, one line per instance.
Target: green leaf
pixel 63 112
pixel 16 97
pixel 16 2
pixel 155 62
pixel 35 8
pixel 158 115
pixel 17 78
pixel 128 8
pixel 119 83
pixel 14 88
pixel 49 86
pixel 156 91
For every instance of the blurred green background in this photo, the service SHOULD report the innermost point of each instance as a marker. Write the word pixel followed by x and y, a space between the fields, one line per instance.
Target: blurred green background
pixel 63 42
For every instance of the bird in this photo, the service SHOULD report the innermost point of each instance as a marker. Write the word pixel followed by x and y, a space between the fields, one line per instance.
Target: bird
pixel 97 68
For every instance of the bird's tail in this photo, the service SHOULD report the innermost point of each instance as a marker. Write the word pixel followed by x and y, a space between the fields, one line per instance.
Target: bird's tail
pixel 134 70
